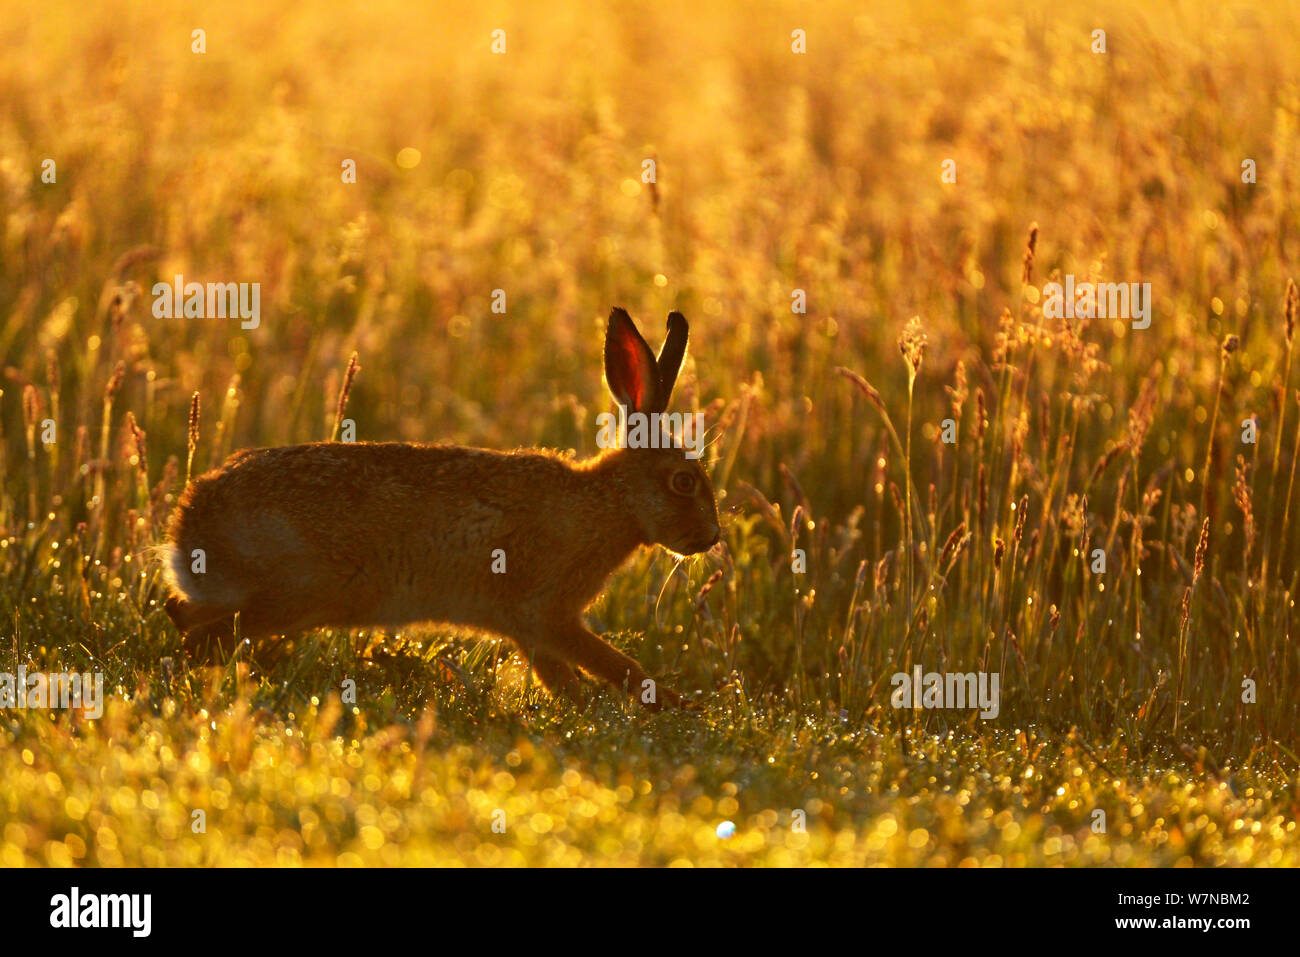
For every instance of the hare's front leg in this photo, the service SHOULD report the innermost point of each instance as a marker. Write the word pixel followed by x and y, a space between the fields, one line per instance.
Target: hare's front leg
pixel 577 644
pixel 209 631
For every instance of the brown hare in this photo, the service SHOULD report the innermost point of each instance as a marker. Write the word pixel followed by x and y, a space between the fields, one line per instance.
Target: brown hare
pixel 513 544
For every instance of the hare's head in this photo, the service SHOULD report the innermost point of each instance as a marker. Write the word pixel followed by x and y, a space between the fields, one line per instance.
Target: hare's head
pixel 657 465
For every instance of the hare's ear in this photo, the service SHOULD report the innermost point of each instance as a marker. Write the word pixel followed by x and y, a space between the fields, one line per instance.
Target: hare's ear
pixel 630 368
pixel 672 354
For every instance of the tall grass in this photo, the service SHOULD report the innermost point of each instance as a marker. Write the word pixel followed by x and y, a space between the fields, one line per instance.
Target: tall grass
pixel 776 172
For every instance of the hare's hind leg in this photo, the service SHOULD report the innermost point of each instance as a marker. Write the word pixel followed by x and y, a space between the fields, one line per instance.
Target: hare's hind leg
pixel 555 674
pixel 592 654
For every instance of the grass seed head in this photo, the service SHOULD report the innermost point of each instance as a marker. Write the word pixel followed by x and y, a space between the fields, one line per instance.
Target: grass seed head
pixel 1031 244
pixel 138 436
pixel 911 344
pixel 1202 546
pixel 115 381
pixel 1020 519
pixel 952 548
pixel 863 386
pixel 1289 310
pixel 32 406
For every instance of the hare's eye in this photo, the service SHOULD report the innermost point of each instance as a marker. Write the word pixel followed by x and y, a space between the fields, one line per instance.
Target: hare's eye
pixel 683 483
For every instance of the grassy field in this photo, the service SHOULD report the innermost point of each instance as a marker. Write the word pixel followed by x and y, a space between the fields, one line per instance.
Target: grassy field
pixel 1160 691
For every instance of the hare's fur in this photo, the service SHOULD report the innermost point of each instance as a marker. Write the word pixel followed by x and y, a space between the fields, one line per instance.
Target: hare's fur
pixel 514 544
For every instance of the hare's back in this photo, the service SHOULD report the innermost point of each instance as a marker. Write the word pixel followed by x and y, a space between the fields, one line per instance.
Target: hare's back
pixel 329 514
pixel 335 489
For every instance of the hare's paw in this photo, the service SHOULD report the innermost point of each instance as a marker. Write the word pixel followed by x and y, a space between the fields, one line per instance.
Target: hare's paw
pixel 688 705
pixel 210 644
